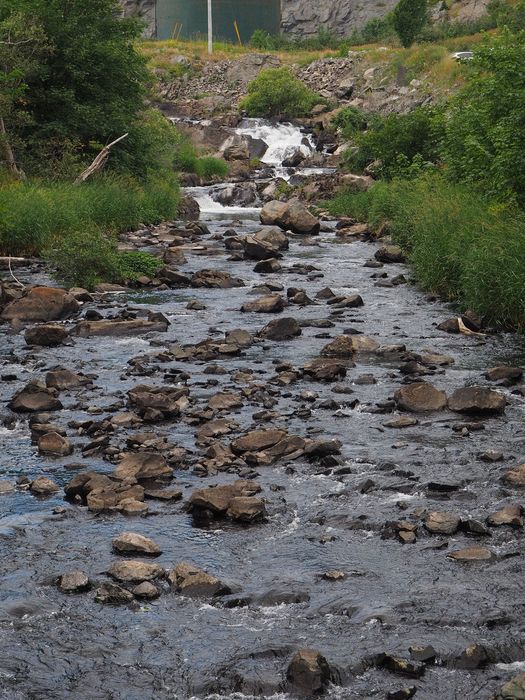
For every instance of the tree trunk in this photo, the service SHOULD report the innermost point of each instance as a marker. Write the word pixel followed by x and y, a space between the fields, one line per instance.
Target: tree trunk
pixel 8 154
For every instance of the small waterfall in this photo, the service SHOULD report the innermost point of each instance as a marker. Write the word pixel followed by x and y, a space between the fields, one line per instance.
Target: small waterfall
pixel 283 140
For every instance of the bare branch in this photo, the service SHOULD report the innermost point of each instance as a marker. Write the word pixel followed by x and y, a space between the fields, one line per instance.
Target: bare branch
pixel 99 161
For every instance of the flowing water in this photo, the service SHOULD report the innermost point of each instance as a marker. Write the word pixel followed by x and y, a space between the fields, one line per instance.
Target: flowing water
pixel 57 647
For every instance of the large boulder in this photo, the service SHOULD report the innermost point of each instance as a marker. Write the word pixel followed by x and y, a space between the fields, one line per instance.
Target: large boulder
pixel 35 398
pixel 442 523
pixel 257 440
pixel 99 492
pixel 390 254
pixel 274 236
pixel 255 249
pixel 420 397
pixel 513 689
pixel 54 445
pixel 516 476
pixel 477 400
pixel 235 501
pixel 290 216
pixel 215 279
pixel 41 304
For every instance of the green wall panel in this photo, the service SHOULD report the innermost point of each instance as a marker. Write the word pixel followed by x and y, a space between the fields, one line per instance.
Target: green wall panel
pixel 250 15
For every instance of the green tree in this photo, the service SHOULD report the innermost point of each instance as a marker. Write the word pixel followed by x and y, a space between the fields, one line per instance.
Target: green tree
pixel 409 18
pixel 484 131
pixel 89 88
pixel 22 45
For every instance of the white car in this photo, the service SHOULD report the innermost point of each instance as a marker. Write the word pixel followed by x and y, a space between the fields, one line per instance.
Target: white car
pixel 463 55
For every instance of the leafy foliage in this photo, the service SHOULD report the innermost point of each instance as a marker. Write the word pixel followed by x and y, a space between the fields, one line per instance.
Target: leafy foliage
pixel 83 80
pixel 349 120
pixel 409 18
pixel 484 132
pixel 460 244
pixel 276 92
pixel 396 141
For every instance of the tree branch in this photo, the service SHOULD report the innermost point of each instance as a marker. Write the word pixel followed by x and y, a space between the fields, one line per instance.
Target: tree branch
pixel 99 161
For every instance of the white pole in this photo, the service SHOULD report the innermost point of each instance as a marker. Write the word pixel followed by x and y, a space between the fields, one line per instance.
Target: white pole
pixel 210 28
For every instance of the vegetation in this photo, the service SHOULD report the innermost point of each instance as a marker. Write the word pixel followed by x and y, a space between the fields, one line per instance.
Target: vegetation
pixel 38 217
pixel 459 244
pixel 276 92
pixel 396 142
pixel 409 18
pixel 187 160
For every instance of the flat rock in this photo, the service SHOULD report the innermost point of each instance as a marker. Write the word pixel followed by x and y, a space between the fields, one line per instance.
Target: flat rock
pixel 135 571
pixel 225 401
pixel 420 397
pixel 215 279
pixel 401 422
pixel 62 379
pixel 257 440
pixel 477 400
pixel 504 372
pixel 246 509
pixel 471 554
pixel 442 523
pixel 347 345
pixel 513 689
pixel 390 254
pixel 133 543
pixel 116 329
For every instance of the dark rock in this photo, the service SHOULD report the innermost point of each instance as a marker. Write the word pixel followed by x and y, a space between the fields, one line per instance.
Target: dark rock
pixel 48 335
pixel 477 400
pixel 35 398
pixel 281 329
pixel 41 304
pixel 309 672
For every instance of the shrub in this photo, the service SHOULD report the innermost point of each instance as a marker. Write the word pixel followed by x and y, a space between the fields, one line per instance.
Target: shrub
pixel 460 244
pixel 409 18
pixel 398 141
pixel 88 257
pixel 208 167
pixel 276 92
pixel 484 131
pixel 349 120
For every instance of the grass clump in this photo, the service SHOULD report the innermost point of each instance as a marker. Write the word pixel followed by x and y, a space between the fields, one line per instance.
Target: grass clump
pixel 461 245
pixel 35 216
pixel 276 92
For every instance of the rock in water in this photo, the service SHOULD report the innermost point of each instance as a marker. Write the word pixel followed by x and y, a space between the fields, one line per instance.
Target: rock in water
pixel 41 304
pixel 55 445
pixel 190 580
pixel 142 465
pixel 111 594
pixel 48 335
pixel 513 689
pixel 271 304
pixel 309 672
pixel 74 582
pixel 420 397
pixel 132 543
pixel 281 329
pixel 135 571
pixel 471 554
pixel 442 523
pixel 477 400
pixel 43 487
pixel 35 398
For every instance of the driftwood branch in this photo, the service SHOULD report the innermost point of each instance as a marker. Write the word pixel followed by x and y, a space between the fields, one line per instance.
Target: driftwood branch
pixel 99 161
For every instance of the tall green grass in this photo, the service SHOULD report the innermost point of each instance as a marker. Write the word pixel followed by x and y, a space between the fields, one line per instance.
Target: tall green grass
pixel 35 215
pixel 461 246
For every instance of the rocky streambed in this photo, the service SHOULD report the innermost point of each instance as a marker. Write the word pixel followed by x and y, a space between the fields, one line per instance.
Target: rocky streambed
pixel 273 471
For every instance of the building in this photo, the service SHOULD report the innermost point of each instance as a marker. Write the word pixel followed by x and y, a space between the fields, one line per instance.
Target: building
pixel 166 19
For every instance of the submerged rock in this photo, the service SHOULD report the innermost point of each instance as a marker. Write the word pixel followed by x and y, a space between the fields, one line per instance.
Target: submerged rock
pixel 112 594
pixel 35 398
pixel 471 554
pixel 74 582
pixel 137 326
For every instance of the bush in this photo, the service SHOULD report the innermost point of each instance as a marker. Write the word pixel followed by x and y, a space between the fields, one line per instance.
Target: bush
pixel 376 29
pixel 36 216
pixel 88 257
pixel 276 92
pixel 484 131
pixel 460 244
pixel 349 120
pixel 398 141
pixel 265 41
pixel 187 160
